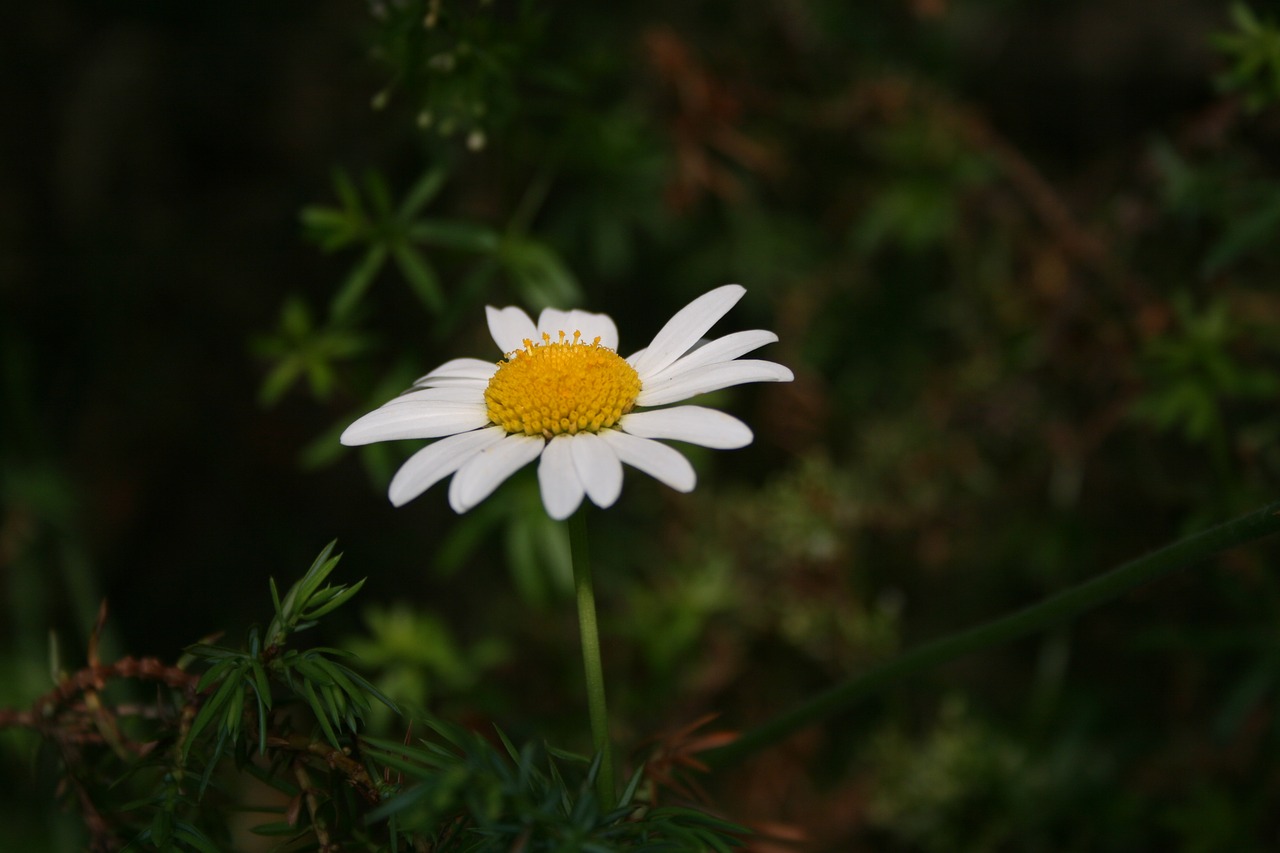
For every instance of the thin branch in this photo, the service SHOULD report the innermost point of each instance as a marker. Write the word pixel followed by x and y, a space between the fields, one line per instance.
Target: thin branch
pixel 1057 608
pixel 356 774
pixel 91 679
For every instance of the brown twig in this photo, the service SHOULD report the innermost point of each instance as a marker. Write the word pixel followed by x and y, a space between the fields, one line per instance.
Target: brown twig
pixel 335 759
pixel 309 793
pixel 73 716
pixel 91 679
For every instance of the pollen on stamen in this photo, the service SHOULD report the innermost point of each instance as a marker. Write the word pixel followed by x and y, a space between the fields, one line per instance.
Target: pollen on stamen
pixel 561 386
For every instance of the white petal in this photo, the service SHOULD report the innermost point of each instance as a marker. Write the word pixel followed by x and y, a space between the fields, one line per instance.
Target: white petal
pixel 415 420
pixel 683 330
pixel 558 479
pixel 713 377
pixel 438 460
pixel 665 464
pixel 510 327
pixel 598 468
pixel 459 368
pixel 694 424
pixel 478 385
pixel 486 470
pixel 552 321
pixel 451 393
pixel 720 350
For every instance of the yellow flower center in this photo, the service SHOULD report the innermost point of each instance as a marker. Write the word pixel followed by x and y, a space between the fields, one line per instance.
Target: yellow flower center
pixel 562 386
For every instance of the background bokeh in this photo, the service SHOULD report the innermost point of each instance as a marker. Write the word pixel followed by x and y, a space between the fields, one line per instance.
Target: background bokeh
pixel 1021 256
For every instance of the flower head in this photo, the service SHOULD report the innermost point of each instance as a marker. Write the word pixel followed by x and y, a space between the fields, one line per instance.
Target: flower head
pixel 564 396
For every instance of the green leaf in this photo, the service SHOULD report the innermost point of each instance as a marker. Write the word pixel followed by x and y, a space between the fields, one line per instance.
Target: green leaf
pixel 279 380
pixel 507 744
pixel 320 377
pixel 334 702
pixel 260 683
pixel 402 802
pixel 330 227
pixel 308 667
pixel 454 234
pixel 235 711
pixel 421 277
pixel 423 191
pixel 543 279
pixel 300 594
pixel 299 349
pixel 324 218
pixel 340 681
pixel 206 651
pixel 348 194
pixel 318 709
pixel 1248 231
pixel 219 671
pixel 332 600
pixel 161 827
pixel 275 596
pixel 1254 49
pixel 376 185
pixel 215 706
pixel 262 703
pixel 366 687
pixel 296 601
pixel 1242 16
pixel 358 281
pixel 629 792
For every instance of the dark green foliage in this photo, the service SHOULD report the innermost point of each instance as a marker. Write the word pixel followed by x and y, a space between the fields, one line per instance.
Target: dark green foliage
pixel 1021 256
pixel 294 720
pixel 538 799
pixel 1254 48
pixel 337 697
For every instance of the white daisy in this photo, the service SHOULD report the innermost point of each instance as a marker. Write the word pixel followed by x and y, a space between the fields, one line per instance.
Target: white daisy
pixel 563 395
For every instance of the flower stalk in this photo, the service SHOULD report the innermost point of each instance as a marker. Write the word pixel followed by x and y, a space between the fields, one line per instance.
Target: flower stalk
pixel 592 667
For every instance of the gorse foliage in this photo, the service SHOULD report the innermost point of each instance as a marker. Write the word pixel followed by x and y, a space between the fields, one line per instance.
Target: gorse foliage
pixel 535 798
pixel 170 772
pixel 336 696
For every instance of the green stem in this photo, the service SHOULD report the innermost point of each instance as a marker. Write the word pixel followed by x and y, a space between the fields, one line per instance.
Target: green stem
pixel 591 655
pixel 1053 609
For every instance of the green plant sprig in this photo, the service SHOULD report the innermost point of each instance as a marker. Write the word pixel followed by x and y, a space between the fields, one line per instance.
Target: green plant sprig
pixel 338 697
pixel 467 794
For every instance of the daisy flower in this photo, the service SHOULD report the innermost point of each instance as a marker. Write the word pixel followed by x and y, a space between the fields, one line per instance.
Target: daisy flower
pixel 563 395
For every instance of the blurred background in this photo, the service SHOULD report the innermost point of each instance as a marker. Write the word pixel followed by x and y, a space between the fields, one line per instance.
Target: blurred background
pixel 1022 258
